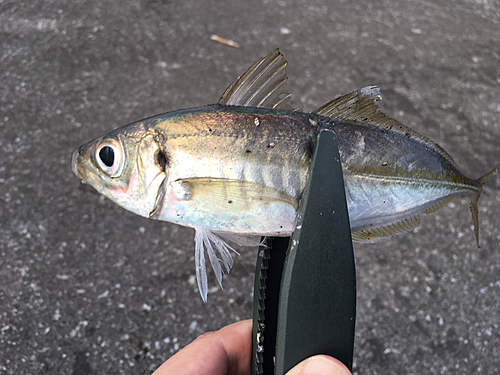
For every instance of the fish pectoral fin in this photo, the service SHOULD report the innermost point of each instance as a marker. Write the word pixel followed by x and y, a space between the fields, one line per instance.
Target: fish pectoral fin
pixel 262 85
pixel 226 196
pixel 359 106
pixel 366 233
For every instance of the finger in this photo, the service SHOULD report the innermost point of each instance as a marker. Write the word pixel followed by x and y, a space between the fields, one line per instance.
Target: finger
pixel 319 365
pixel 223 352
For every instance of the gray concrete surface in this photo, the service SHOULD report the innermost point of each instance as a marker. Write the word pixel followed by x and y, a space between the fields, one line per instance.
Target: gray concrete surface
pixel 87 288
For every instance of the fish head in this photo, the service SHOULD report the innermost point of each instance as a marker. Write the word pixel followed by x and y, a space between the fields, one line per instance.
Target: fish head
pixel 127 166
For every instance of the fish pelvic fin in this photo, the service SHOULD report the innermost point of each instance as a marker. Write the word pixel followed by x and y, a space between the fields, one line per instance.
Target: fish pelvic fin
pixel 218 246
pixel 209 242
pixel 473 202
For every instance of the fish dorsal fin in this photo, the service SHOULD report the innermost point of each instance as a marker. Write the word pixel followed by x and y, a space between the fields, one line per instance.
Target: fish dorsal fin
pixel 224 195
pixel 360 106
pixel 262 85
pixel 373 233
pixel 346 107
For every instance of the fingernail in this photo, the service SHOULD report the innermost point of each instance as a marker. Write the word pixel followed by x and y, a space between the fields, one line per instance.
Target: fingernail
pixel 319 365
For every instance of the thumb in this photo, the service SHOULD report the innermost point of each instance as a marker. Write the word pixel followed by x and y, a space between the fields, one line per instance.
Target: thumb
pixel 319 365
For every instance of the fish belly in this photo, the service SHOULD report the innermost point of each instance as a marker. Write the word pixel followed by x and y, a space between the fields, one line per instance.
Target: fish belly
pixel 244 215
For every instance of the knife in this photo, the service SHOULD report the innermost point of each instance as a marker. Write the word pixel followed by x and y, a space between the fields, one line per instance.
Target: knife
pixel 305 285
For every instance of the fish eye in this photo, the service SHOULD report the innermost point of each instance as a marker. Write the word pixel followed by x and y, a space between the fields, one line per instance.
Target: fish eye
pixel 109 156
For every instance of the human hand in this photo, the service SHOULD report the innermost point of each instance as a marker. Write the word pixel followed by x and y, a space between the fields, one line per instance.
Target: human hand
pixel 228 352
pixel 223 352
pixel 319 365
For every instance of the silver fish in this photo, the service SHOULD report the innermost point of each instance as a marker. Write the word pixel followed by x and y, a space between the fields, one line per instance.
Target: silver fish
pixel 237 169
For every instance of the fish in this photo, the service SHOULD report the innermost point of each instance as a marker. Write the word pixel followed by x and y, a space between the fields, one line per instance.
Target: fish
pixel 236 170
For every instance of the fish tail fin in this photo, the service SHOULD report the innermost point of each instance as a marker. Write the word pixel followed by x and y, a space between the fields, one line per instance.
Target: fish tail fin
pixel 473 201
pixel 485 178
pixel 475 219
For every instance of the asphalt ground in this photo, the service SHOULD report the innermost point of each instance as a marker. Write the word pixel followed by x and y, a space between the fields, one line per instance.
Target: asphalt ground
pixel 88 288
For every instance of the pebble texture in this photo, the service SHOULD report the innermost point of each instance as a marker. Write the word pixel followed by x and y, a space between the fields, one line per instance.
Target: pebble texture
pixel 87 288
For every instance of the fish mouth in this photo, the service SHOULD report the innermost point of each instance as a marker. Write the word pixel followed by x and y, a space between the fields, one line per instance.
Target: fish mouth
pixel 78 158
pixel 79 169
pixel 75 159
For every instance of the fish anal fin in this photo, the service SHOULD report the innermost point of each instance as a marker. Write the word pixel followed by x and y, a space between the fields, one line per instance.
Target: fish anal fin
pixel 438 205
pixel 372 233
pixel 262 85
pixel 359 106
pixel 224 195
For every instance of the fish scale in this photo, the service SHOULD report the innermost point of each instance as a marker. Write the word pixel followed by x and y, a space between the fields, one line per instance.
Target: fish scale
pixel 253 153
